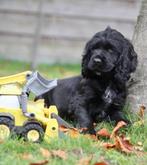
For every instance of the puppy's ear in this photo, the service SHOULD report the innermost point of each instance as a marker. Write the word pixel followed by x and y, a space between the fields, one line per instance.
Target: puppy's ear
pixel 134 61
pixel 85 59
pixel 127 62
pixel 90 45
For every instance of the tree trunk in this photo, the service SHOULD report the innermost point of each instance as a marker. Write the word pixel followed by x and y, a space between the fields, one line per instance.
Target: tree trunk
pixel 138 93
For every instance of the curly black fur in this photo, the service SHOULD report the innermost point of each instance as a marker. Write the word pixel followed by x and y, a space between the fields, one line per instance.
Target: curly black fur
pixel 100 92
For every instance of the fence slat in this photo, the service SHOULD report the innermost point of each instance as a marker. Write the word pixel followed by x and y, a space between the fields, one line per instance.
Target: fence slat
pixel 66 27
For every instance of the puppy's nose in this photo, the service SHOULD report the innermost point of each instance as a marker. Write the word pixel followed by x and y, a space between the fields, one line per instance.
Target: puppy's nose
pixel 98 60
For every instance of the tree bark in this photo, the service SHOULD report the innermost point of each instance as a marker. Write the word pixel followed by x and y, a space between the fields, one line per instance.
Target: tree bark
pixel 138 93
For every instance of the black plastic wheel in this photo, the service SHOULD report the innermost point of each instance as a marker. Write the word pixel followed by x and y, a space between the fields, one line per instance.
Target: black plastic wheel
pixel 6 127
pixel 33 132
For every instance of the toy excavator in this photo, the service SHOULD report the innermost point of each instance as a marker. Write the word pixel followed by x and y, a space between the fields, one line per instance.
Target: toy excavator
pixel 19 116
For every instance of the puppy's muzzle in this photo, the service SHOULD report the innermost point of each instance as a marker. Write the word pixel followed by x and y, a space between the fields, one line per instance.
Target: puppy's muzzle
pixel 98 61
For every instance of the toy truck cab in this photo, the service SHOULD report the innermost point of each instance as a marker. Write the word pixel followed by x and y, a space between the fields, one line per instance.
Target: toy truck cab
pixel 18 115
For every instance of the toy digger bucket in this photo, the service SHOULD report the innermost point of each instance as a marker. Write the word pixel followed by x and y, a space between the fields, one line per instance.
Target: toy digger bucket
pixel 39 85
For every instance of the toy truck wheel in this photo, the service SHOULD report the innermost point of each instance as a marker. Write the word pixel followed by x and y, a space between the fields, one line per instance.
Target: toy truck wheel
pixel 33 132
pixel 6 126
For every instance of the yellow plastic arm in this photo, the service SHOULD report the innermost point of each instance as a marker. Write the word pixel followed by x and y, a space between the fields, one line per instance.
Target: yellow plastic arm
pixel 17 78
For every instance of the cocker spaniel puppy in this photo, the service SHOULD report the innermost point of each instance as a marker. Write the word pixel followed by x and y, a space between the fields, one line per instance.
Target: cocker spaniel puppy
pixel 99 93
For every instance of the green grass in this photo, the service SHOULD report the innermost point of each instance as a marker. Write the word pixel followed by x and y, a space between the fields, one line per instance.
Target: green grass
pixel 51 71
pixel 11 150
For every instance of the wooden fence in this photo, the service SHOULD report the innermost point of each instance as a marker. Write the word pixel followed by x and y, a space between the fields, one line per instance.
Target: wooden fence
pixel 56 30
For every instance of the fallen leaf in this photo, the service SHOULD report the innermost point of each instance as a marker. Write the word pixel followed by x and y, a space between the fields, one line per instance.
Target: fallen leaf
pixel 63 129
pixel 26 156
pixel 1 141
pixel 59 153
pixel 73 133
pixel 108 145
pixel 103 132
pixel 40 163
pixel 85 160
pixel 45 153
pixel 123 144
pixel 119 125
pixel 100 163
pixel 141 111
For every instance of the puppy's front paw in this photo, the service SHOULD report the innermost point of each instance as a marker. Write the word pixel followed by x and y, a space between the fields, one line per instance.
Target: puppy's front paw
pixel 88 131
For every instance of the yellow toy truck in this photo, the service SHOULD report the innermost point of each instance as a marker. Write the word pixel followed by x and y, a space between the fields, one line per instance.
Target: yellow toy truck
pixel 25 118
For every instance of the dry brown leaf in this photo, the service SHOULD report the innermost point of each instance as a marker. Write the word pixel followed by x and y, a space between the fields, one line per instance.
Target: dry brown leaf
pixel 74 133
pixel 59 153
pixel 26 156
pixel 141 111
pixel 103 132
pixel 44 162
pixel 123 144
pixel 108 145
pixel 63 129
pixel 85 160
pixel 119 125
pixel 45 152
pixel 100 163
pixel 1 141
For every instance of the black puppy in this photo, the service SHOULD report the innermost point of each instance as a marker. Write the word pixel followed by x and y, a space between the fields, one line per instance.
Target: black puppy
pixel 100 92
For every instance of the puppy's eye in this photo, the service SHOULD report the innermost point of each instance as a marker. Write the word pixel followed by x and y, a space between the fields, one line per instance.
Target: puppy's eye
pixel 110 50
